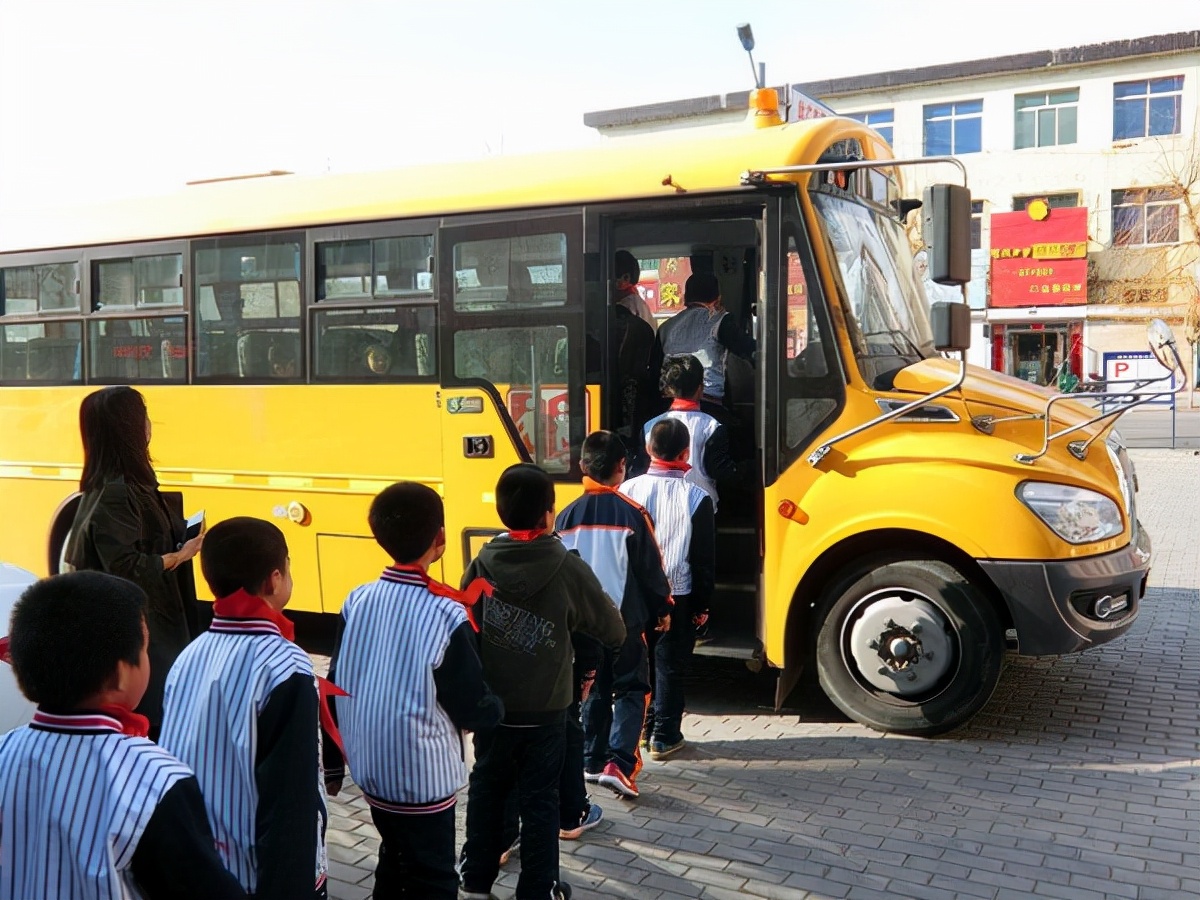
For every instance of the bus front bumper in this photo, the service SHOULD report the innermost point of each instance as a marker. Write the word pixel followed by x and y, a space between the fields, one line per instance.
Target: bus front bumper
pixel 1054 604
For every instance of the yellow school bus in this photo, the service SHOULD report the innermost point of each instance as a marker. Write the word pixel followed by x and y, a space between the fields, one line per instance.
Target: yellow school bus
pixel 304 342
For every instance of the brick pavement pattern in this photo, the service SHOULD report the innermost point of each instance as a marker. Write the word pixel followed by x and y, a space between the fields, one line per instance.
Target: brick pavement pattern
pixel 1079 780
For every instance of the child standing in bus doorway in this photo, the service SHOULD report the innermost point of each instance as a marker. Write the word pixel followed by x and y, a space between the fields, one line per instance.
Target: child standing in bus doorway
pixel 683 517
pixel 615 536
pixel 241 708
pixel 708 447
pixel 406 654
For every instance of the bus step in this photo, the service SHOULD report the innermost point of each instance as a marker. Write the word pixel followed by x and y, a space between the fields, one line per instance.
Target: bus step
pixel 729 645
pixel 732 587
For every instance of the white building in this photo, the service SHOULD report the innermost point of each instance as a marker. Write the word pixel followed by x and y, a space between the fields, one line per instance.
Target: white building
pixel 1111 127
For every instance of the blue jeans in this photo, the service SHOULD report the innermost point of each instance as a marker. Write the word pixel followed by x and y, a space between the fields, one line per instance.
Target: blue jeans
pixel 615 711
pixel 670 658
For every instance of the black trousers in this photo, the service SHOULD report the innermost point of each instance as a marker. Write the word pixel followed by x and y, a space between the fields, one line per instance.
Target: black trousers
pixel 416 856
pixel 530 760
pixel 670 658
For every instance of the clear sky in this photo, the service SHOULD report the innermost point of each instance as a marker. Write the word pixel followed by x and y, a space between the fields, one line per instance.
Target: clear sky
pixel 101 98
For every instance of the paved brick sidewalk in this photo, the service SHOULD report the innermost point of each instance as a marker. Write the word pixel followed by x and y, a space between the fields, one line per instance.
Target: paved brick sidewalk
pixel 1078 780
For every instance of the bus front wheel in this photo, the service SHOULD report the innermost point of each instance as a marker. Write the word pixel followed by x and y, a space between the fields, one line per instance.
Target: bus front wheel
pixel 908 646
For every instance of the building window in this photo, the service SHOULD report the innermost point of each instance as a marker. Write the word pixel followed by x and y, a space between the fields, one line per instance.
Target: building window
pixel 1146 108
pixel 1064 200
pixel 952 128
pixel 879 119
pixel 1142 216
pixel 976 224
pixel 1046 119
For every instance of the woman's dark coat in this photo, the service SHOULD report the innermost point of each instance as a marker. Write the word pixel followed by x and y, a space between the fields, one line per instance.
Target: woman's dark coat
pixel 124 529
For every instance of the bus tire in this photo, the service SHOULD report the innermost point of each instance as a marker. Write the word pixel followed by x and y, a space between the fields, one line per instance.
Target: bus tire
pixel 908 646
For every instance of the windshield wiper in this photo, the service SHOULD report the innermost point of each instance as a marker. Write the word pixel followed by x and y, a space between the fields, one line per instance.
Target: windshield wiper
pixel 898 336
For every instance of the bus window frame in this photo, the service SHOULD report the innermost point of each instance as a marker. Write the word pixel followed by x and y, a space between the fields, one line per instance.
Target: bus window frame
pixel 518 223
pixel 311 306
pixel 286 235
pixel 91 256
pixel 33 258
pixel 794 222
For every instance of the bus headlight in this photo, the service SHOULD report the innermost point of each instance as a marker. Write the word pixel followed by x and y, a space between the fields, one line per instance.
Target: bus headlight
pixel 1075 514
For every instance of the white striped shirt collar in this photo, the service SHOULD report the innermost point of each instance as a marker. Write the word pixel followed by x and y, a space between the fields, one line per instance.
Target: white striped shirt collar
pixel 222 625
pixel 90 722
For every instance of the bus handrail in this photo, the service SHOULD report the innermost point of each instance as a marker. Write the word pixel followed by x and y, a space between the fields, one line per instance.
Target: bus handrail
pixel 814 458
pixel 759 176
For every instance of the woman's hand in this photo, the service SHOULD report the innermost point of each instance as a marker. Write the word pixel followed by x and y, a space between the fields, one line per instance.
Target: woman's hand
pixel 183 554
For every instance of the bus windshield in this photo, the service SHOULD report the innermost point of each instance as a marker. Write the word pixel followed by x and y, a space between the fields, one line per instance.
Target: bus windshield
pixel 886 308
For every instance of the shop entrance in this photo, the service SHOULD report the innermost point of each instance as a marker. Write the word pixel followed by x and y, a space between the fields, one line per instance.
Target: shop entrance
pixel 1035 352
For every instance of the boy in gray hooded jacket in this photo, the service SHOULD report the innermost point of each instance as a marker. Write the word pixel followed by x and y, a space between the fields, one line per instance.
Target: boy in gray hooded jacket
pixel 543 594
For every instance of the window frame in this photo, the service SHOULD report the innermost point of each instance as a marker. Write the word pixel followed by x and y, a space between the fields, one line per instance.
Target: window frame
pixel 1021 201
pixel 1035 112
pixel 1145 205
pixel 518 223
pixel 953 118
pixel 1145 99
pixel 312 306
pixel 215 242
pixel 865 115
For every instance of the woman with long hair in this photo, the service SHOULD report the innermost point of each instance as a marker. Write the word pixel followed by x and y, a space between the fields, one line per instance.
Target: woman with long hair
pixel 125 526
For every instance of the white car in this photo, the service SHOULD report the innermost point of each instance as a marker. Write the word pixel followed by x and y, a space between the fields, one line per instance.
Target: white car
pixel 15 710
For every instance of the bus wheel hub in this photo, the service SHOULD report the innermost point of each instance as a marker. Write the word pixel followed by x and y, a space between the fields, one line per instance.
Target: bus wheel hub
pixel 900 643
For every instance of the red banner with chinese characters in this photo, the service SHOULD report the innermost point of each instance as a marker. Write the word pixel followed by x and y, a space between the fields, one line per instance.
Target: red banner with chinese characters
pixel 1039 262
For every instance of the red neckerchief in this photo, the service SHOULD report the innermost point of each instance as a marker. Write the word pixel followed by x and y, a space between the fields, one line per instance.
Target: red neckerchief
pixel 5 652
pixel 630 291
pixel 132 724
pixel 681 405
pixel 668 465
pixel 243 605
pixel 468 596
pixel 529 534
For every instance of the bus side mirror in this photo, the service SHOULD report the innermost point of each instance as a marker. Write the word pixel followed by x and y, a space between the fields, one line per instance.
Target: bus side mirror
pixel 951 324
pixel 946 230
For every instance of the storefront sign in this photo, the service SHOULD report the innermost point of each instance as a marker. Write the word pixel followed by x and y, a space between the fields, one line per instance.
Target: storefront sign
pixel 1039 262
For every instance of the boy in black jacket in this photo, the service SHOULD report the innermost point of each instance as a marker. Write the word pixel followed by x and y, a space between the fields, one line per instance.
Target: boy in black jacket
pixel 543 594
pixel 615 535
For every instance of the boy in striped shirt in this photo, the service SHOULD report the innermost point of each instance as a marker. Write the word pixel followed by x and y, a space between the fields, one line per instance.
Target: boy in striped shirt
pixel 240 707
pixel 89 807
pixel 686 533
pixel 405 652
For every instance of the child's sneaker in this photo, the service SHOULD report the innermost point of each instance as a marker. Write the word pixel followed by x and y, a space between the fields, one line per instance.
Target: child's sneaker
pixel 591 777
pixel 618 782
pixel 589 821
pixel 665 749
pixel 513 850
pixel 562 891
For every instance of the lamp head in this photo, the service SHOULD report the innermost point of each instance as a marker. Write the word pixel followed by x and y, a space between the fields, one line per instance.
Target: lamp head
pixel 746 36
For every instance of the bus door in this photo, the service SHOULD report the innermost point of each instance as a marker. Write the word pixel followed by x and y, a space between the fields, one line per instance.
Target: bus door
pixel 722 237
pixel 512 381
pixel 804 389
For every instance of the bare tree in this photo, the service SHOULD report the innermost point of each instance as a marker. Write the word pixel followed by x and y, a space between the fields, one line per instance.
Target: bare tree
pixel 1154 258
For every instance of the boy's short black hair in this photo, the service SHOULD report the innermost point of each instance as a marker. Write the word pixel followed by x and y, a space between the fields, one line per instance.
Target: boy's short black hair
pixel 405 519
pixel 668 439
pixel 240 554
pixel 682 376
pixel 602 452
pixel 67 634
pixel 524 494
pixel 625 263
pixel 701 288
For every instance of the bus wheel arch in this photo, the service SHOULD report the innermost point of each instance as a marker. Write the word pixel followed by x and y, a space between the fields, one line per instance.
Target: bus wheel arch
pixel 847 563
pixel 60 529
